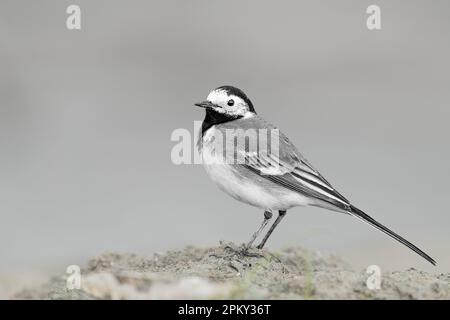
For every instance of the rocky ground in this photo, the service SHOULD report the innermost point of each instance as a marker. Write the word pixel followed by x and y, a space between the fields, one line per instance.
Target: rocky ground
pixel 227 272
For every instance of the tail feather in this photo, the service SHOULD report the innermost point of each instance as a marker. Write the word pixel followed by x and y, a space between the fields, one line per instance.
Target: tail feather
pixel 365 217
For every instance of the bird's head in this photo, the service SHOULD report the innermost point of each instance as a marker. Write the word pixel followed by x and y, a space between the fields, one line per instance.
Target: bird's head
pixel 228 102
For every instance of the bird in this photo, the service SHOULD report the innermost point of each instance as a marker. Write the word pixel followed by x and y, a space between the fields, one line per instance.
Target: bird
pixel 277 178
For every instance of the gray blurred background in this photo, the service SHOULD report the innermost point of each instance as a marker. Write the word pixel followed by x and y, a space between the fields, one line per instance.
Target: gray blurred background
pixel 86 118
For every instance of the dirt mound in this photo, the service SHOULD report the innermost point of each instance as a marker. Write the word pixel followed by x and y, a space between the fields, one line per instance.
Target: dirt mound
pixel 228 272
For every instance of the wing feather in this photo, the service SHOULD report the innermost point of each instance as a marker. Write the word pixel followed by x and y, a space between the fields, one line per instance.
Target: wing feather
pixel 291 170
pixel 286 167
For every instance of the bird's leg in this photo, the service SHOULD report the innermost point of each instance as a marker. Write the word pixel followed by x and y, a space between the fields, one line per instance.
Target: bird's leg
pixel 267 217
pixel 281 215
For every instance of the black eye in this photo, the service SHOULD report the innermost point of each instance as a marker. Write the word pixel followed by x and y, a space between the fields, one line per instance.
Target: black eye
pixel 230 102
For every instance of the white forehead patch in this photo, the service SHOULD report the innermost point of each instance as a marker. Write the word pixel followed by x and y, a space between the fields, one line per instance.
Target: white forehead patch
pixel 217 95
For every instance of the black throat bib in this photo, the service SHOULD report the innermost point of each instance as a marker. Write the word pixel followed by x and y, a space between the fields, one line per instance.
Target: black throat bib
pixel 212 118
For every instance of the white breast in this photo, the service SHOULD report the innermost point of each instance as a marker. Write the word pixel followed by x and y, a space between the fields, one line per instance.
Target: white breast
pixel 242 187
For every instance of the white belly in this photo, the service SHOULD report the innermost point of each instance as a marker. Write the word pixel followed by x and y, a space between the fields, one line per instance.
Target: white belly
pixel 246 188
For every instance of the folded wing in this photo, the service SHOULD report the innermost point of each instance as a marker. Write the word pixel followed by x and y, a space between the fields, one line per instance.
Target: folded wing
pixel 289 169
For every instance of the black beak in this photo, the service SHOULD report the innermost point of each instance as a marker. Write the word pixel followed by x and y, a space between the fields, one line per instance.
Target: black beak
pixel 205 104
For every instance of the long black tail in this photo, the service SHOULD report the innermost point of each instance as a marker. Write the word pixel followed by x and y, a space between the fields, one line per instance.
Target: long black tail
pixel 363 216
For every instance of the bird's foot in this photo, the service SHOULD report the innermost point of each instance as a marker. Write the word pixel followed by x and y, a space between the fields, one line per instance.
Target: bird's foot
pixel 250 251
pixel 242 250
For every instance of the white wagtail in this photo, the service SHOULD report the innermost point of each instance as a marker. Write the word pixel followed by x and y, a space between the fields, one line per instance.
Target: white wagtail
pixel 270 181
